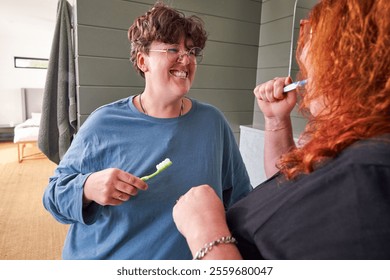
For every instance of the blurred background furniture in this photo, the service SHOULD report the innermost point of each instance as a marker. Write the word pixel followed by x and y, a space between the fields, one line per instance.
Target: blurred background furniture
pixel 26 133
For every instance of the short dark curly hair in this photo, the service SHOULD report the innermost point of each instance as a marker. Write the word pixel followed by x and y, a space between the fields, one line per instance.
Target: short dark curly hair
pixel 163 24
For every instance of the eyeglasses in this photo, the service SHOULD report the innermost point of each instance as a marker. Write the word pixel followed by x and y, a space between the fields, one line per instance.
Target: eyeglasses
pixel 305 31
pixel 194 54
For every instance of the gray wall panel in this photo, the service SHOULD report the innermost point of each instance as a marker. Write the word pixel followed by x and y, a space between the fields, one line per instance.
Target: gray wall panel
pixel 232 31
pixel 276 9
pixel 226 100
pixel 97 41
pixel 119 13
pixel 277 55
pixel 94 97
pixel 97 71
pixel 115 14
pixel 243 10
pixel 216 77
pixel 268 36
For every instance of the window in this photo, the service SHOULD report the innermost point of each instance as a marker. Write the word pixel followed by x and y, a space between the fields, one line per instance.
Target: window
pixel 28 62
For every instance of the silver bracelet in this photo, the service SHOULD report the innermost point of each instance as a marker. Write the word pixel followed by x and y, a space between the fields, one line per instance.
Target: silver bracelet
pixel 208 246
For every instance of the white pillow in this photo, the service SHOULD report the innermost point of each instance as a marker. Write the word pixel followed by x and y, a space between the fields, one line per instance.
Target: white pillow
pixel 36 117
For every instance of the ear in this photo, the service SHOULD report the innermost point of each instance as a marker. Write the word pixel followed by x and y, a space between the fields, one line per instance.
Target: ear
pixel 142 61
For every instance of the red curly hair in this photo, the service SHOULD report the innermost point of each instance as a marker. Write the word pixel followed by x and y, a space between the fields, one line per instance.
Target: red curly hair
pixel 349 55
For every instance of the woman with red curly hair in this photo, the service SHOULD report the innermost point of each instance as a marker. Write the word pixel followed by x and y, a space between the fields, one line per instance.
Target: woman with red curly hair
pixel 328 197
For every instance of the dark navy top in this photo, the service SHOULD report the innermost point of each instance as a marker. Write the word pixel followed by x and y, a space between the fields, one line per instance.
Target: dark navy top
pixel 340 211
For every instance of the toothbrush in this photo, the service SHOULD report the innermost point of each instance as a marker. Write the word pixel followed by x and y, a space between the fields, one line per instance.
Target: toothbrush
pixel 293 86
pixel 160 167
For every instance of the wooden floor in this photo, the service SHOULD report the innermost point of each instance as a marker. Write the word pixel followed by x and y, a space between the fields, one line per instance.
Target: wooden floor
pixel 27 230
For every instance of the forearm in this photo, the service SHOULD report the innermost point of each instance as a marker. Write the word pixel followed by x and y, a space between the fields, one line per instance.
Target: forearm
pixel 278 140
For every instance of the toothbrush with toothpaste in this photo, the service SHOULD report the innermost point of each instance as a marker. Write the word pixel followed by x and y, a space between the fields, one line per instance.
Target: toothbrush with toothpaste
pixel 160 167
pixel 293 86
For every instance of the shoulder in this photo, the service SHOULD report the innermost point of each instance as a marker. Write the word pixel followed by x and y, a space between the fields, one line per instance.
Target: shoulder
pixel 204 112
pixel 206 108
pixel 108 110
pixel 104 118
pixel 373 151
pixel 121 104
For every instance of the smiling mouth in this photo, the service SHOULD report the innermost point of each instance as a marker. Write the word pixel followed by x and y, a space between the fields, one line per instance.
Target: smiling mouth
pixel 179 74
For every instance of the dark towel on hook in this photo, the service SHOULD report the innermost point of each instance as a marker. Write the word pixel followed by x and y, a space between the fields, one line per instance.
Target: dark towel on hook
pixel 59 116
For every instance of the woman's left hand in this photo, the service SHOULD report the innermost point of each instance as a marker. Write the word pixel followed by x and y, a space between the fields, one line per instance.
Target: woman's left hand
pixel 200 216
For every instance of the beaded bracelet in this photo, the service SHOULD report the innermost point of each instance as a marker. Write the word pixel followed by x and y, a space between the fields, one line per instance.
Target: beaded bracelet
pixel 208 246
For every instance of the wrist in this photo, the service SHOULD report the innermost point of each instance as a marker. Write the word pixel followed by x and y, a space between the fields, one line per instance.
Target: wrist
pixel 207 247
pixel 86 201
pixel 275 124
pixel 197 241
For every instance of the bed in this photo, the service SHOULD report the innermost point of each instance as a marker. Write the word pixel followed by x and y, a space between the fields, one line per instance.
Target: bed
pixel 26 133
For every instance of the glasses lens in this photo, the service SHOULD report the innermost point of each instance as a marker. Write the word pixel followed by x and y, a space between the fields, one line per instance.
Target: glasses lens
pixel 194 54
pixel 197 53
pixel 173 54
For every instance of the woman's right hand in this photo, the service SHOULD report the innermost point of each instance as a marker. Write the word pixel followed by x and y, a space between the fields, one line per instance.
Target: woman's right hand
pixel 272 101
pixel 111 186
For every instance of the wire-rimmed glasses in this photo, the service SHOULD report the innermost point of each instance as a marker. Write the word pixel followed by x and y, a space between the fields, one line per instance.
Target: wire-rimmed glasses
pixel 194 54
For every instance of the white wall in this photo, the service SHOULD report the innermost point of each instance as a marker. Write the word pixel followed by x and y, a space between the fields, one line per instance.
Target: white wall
pixel 23 32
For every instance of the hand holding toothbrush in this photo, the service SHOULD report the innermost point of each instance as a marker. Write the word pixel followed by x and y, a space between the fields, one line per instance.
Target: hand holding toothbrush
pixel 273 101
pixel 114 186
pixel 111 186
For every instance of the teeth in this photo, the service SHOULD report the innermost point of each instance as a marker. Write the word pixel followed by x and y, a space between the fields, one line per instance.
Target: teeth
pixel 179 74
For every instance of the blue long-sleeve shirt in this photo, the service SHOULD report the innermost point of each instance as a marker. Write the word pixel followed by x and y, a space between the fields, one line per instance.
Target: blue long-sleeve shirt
pixel 202 148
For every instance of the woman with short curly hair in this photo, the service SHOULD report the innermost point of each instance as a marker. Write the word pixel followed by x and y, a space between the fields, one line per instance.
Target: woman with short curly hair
pixel 99 186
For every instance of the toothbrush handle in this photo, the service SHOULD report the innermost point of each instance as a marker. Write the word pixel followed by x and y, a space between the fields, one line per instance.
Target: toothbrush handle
pixel 293 86
pixel 145 178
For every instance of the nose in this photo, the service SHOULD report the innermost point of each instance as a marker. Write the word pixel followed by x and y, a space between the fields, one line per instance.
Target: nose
pixel 184 57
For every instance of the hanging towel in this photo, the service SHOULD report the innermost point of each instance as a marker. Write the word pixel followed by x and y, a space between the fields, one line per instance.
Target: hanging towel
pixel 59 116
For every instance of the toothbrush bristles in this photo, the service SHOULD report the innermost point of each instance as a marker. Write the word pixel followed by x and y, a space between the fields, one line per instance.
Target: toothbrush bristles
pixel 164 164
pixel 160 167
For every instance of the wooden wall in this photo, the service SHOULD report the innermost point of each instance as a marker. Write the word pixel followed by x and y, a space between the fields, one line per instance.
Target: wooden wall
pixel 225 78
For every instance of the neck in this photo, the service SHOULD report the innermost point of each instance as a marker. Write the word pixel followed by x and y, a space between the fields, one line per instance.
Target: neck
pixel 149 106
